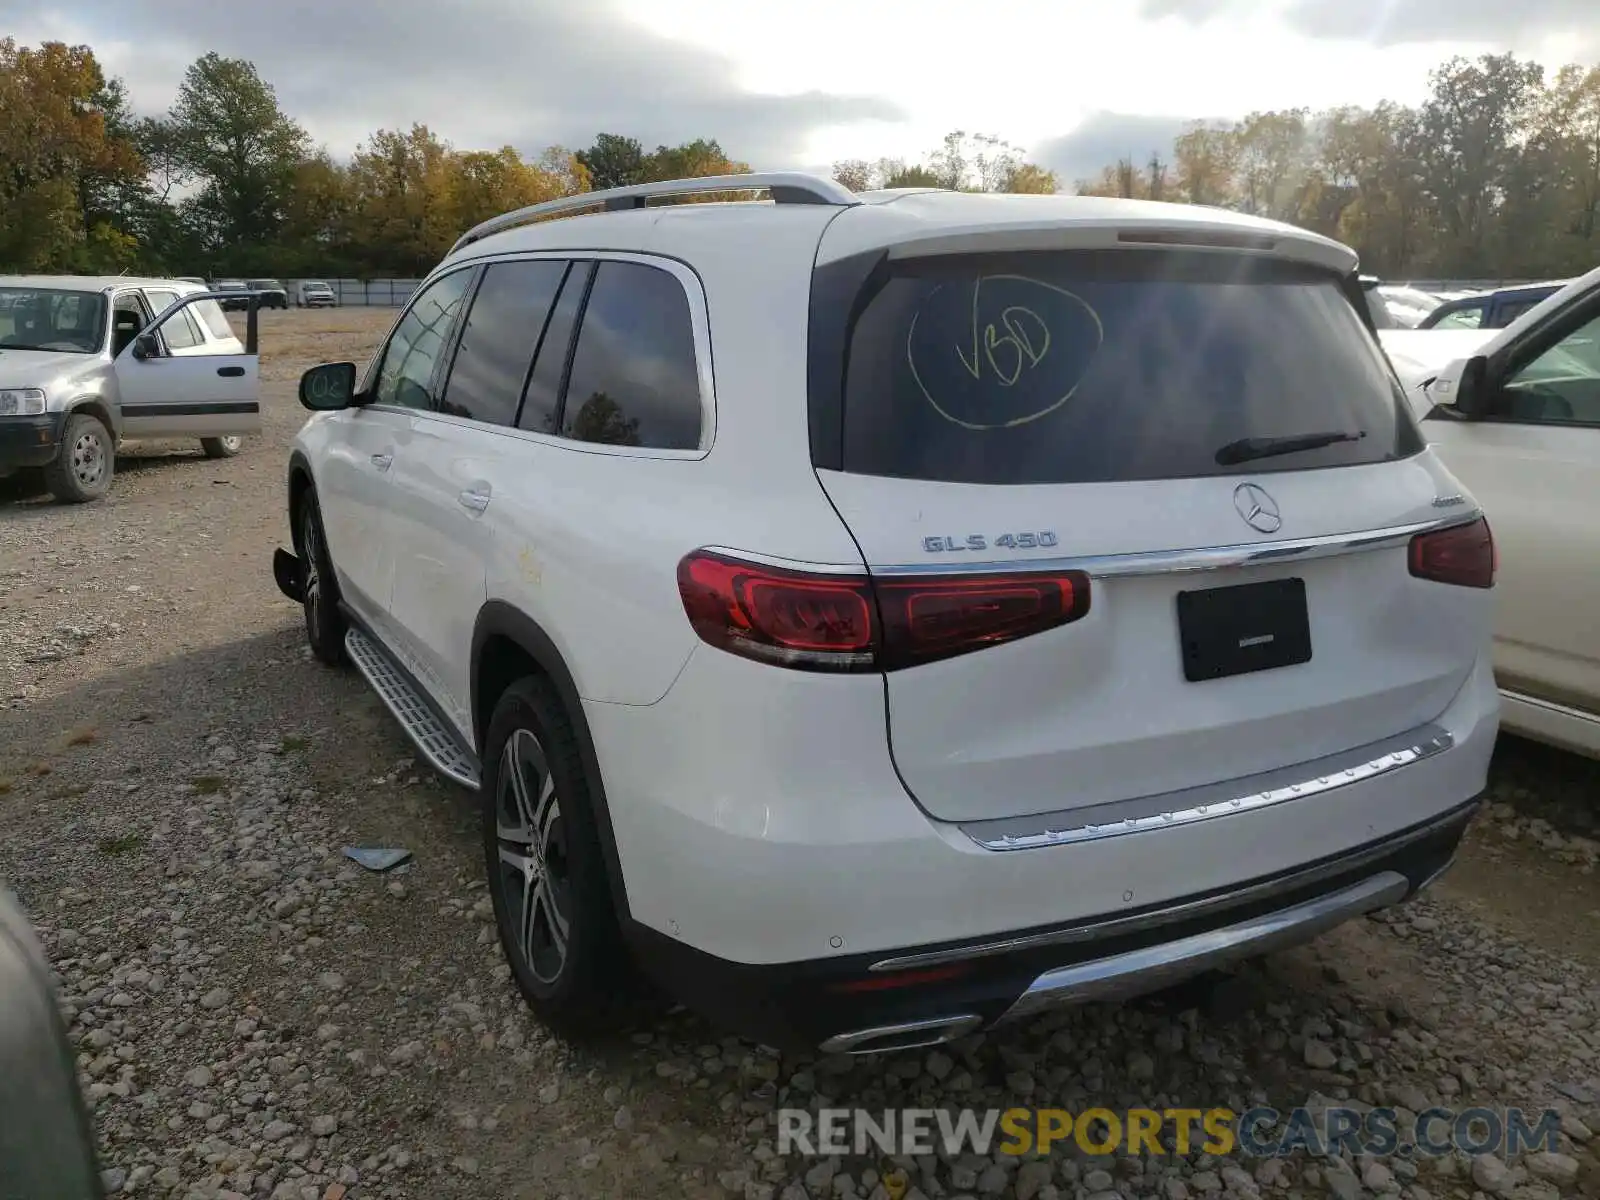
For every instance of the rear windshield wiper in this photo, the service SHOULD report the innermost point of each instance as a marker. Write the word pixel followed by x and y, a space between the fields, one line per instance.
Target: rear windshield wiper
pixel 1249 449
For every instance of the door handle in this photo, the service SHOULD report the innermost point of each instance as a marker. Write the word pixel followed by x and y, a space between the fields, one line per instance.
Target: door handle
pixel 230 372
pixel 477 501
pixel 382 461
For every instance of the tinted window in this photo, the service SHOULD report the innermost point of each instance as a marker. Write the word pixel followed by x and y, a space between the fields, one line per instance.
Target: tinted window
pixel 541 406
pixel 499 338
pixel 634 381
pixel 1102 366
pixel 1510 310
pixel 1561 386
pixel 407 370
pixel 180 330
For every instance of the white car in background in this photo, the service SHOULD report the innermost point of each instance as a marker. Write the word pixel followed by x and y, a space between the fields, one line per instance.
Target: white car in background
pixel 1515 414
pixel 1407 305
pixel 88 362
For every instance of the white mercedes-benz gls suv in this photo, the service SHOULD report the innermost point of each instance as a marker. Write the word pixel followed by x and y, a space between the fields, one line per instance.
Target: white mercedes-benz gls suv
pixel 883 616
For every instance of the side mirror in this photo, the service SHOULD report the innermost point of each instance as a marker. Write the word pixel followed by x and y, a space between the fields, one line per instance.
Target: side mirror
pixel 1474 389
pixel 46 1148
pixel 329 387
pixel 145 346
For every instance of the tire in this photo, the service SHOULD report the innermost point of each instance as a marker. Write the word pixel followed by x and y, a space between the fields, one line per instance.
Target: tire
pixel 222 447
pixel 83 468
pixel 325 624
pixel 573 982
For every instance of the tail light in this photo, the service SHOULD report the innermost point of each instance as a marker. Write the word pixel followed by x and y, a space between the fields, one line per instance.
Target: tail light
pixel 1463 555
pixel 824 622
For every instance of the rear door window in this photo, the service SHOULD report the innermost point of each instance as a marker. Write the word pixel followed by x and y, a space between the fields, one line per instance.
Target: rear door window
pixel 541 406
pixel 499 338
pixel 1090 367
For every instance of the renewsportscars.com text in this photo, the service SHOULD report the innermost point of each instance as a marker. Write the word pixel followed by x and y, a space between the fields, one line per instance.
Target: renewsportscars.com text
pixel 1256 1133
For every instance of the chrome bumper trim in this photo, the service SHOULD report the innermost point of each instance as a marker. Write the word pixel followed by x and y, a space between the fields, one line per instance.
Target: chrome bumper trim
pixel 1142 562
pixel 1186 910
pixel 1207 558
pixel 1150 969
pixel 1054 834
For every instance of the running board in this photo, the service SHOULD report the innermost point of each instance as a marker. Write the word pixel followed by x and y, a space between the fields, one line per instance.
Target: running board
pixel 433 738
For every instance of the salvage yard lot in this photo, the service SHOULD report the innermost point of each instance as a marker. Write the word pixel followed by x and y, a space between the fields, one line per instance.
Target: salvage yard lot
pixel 258 1016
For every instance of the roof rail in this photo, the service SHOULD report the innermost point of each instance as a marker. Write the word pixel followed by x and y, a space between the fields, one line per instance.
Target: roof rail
pixel 787 187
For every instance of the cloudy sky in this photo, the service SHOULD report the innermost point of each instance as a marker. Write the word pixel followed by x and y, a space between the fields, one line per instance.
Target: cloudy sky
pixel 1076 82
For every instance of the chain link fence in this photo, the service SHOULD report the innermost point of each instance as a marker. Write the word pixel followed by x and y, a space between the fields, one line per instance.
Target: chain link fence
pixel 362 293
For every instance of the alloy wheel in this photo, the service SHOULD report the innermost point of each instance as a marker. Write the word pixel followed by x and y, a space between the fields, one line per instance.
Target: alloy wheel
pixel 533 865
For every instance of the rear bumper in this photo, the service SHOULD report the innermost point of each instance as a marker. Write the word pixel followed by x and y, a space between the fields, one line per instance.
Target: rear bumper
pixel 844 1005
pixel 769 852
pixel 29 441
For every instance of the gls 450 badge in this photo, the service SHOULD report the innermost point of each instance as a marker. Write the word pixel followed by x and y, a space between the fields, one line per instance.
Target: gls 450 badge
pixel 976 541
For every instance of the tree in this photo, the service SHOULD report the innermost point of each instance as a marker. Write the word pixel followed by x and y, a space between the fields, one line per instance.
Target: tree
pixel 691 160
pixel 1204 159
pixel 68 170
pixel 242 150
pixel 854 173
pixel 404 210
pixel 600 419
pixel 963 162
pixel 1471 130
pixel 1269 150
pixel 613 161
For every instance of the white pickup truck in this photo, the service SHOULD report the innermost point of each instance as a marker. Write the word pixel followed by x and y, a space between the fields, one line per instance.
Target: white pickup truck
pixel 1515 414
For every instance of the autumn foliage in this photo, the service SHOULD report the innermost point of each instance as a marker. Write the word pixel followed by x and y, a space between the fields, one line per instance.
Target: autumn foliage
pixel 1496 173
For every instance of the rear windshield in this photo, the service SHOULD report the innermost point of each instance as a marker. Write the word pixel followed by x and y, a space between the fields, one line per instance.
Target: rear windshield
pixel 1096 366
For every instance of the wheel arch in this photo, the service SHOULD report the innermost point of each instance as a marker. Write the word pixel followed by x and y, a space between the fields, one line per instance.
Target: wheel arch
pixel 300 484
pixel 508 645
pixel 98 407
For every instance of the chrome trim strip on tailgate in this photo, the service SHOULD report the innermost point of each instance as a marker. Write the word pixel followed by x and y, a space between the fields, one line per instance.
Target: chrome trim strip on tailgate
pixel 1154 967
pixel 1054 834
pixel 1184 910
pixel 1148 562
pixel 1207 558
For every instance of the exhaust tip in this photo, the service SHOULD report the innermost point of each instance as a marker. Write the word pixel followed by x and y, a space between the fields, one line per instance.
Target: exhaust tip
pixel 908 1035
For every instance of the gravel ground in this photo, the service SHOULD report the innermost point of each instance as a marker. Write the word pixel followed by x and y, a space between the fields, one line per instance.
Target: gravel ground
pixel 256 1016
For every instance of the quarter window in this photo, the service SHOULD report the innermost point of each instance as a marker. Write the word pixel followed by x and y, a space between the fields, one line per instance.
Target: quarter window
pixel 634 380
pixel 405 376
pixel 498 341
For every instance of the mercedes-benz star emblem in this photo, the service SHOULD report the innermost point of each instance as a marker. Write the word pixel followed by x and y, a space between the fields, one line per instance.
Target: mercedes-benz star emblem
pixel 1259 510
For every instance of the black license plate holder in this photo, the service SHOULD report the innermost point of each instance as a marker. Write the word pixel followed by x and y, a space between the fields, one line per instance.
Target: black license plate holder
pixel 1247 627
